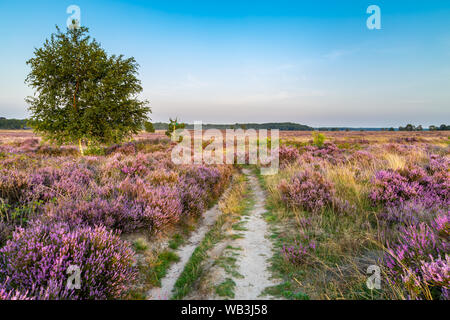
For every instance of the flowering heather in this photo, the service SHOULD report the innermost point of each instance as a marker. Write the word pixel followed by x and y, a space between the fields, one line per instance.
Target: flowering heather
pixel 307 190
pixel 80 203
pixel 5 231
pixel 410 213
pixel 48 182
pixel 329 152
pixel 36 260
pixel 437 272
pixel 438 164
pixel 390 187
pixel 212 179
pixel 398 148
pixel 298 253
pixel 362 157
pixel 287 155
pixel 442 225
pixel 13 185
pixel 12 295
pixel 118 213
pixel 193 198
pixel 394 187
pixel 161 204
pixel 419 259
pixel 342 206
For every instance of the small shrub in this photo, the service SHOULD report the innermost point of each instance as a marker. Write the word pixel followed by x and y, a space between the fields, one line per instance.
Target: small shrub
pixel 419 261
pixel 118 213
pixel 298 253
pixel 394 187
pixel 36 260
pixel 94 150
pixel 307 190
pixel 390 187
pixel 149 127
pixel 318 139
pixel 13 185
pixel 287 155
pixel 140 245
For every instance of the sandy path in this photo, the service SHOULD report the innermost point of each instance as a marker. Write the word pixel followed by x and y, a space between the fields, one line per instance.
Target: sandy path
pixel 184 252
pixel 253 261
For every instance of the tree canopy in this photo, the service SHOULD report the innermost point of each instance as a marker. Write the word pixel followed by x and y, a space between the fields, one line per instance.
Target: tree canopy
pixel 81 93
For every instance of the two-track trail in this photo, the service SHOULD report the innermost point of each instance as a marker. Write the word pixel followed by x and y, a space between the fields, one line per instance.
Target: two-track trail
pixel 253 261
pixel 184 252
pixel 250 250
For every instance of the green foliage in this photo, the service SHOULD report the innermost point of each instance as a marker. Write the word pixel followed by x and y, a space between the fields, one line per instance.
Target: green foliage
pixel 140 245
pixel 164 261
pixel 410 127
pixel 12 124
pixel 18 215
pixel 149 127
pixel 226 288
pixel 318 139
pixel 94 150
pixel 176 241
pixel 174 125
pixel 82 93
pixel 283 126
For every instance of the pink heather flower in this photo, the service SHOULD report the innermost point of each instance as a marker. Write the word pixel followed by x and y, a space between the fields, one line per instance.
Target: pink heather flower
pixel 307 190
pixel 35 262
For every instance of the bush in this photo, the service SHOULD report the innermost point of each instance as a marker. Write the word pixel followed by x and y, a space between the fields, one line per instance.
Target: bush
pixel 118 213
pixel 390 187
pixel 288 155
pixel 298 253
pixel 318 139
pixel 149 127
pixel 419 261
pixel 46 183
pixel 34 263
pixel 307 190
pixel 193 198
pixel 13 185
pixel 410 213
pixel 5 231
pixel 395 187
pixel 161 204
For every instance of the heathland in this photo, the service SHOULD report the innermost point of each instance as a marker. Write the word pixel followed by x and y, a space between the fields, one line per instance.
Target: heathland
pixel 349 215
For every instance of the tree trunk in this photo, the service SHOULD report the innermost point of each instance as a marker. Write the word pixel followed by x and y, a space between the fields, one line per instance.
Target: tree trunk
pixel 81 147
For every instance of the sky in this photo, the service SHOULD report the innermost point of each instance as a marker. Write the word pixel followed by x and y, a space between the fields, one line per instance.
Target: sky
pixel 310 62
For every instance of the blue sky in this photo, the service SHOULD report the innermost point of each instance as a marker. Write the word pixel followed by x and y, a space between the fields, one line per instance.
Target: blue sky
pixel 311 62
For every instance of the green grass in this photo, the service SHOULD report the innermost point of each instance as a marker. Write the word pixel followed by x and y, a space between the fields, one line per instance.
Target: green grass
pixel 239 226
pixel 193 268
pixel 162 264
pixel 140 245
pixel 229 265
pixel 226 288
pixel 339 238
pixel 285 290
pixel 176 241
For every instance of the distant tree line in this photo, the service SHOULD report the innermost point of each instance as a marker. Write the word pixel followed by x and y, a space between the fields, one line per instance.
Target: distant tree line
pixel 13 124
pixel 410 127
pixel 283 126
pixel 442 127
pixel 352 129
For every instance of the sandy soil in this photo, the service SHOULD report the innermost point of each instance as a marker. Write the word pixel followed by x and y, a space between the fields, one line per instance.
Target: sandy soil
pixel 184 252
pixel 253 261
pixel 255 250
